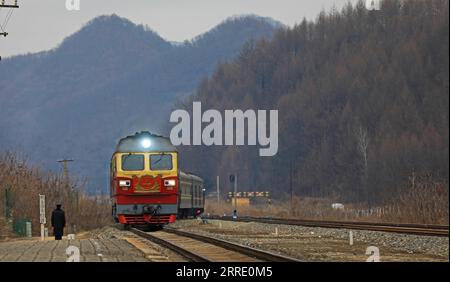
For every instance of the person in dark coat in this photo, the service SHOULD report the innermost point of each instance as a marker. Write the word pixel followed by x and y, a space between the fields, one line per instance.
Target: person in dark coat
pixel 58 222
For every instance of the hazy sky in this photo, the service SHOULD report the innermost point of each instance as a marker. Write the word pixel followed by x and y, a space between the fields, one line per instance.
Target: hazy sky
pixel 42 24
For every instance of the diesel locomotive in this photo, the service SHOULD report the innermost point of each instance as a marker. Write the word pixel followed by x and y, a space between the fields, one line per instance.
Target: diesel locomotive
pixel 147 187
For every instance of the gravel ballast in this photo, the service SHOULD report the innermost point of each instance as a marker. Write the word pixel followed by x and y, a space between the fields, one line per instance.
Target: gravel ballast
pixel 323 244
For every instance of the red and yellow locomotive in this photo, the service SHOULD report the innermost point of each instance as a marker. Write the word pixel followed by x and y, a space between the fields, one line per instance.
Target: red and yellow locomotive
pixel 145 182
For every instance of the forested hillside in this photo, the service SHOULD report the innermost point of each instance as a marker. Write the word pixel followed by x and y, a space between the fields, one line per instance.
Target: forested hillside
pixel 106 81
pixel 363 100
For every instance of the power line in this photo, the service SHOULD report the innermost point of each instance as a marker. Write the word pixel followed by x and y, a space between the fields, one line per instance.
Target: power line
pixel 8 17
pixel 4 33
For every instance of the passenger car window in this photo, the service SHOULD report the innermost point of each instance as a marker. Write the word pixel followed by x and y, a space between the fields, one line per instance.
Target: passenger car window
pixel 132 162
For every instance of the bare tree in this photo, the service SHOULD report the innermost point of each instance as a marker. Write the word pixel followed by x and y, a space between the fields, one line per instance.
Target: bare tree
pixel 363 144
pixel 363 141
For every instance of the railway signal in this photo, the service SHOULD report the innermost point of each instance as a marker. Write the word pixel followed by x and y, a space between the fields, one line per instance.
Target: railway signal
pixel 233 179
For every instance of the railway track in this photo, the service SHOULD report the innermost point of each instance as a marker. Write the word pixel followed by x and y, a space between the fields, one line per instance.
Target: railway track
pixel 199 248
pixel 414 229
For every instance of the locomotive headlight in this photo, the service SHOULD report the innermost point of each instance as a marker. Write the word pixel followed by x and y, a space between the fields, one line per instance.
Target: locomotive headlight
pixel 124 183
pixel 146 143
pixel 169 182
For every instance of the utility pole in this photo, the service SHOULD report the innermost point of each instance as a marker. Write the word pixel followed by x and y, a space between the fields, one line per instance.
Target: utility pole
pixel 235 191
pixel 3 4
pixel 291 186
pixel 218 190
pixel 64 162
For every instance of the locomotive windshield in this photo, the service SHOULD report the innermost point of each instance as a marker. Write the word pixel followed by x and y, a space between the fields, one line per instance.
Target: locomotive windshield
pixel 161 162
pixel 133 162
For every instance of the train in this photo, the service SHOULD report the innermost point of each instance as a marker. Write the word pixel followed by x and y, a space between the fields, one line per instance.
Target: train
pixel 147 188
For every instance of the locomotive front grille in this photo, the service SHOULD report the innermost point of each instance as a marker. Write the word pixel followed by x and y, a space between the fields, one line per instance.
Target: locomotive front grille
pixel 146 219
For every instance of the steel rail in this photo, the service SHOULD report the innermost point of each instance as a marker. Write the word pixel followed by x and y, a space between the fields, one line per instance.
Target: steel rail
pixel 190 256
pixel 194 257
pixel 246 250
pixel 414 229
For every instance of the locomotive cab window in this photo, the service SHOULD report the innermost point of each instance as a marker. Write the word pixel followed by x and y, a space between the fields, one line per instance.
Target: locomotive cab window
pixel 132 162
pixel 161 162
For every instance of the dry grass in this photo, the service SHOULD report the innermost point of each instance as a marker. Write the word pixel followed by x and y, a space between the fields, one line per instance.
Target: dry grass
pixel 424 202
pixel 27 182
pixel 5 229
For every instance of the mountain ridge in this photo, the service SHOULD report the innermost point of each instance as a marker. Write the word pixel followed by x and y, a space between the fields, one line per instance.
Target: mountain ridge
pixel 107 80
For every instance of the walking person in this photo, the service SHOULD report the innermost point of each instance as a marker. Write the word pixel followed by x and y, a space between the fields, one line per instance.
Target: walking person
pixel 58 222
